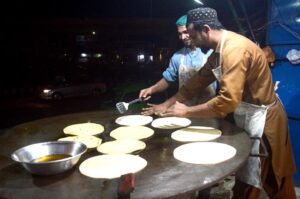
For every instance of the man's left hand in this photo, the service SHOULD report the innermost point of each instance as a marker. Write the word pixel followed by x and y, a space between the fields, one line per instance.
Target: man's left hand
pixel 178 109
pixel 154 109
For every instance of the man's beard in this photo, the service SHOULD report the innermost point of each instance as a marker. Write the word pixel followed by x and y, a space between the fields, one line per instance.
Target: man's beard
pixel 204 46
pixel 187 43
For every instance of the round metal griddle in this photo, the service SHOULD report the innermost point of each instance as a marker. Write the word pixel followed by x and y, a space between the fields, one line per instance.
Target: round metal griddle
pixel 163 177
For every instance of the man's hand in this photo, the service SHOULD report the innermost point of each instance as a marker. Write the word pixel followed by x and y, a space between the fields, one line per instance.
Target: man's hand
pixel 146 93
pixel 178 109
pixel 154 109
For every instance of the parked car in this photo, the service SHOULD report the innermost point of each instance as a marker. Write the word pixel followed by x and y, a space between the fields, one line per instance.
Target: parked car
pixel 65 89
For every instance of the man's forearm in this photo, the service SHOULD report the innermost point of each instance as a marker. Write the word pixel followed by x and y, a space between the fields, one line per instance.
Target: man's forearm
pixel 201 111
pixel 177 97
pixel 160 86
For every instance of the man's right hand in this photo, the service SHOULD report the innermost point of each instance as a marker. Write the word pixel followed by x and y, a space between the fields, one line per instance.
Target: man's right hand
pixel 146 93
pixel 160 86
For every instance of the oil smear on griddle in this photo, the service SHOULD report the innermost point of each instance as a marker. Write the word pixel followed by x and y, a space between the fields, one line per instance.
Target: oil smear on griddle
pixel 52 157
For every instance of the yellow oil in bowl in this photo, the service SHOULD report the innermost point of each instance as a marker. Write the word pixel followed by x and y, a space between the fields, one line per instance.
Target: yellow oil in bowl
pixel 52 157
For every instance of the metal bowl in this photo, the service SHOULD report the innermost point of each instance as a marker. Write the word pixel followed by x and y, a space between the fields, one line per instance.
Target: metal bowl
pixel 28 155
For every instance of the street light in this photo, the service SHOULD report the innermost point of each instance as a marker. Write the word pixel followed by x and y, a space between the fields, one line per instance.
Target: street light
pixel 199 1
pixel 83 55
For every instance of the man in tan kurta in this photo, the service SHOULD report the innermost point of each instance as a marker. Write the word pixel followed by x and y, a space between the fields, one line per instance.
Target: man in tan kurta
pixel 245 76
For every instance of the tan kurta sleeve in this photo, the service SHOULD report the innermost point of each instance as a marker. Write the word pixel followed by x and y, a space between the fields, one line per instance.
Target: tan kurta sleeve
pixel 200 80
pixel 235 64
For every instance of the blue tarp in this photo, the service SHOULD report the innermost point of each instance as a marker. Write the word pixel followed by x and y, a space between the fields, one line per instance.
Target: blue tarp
pixel 283 34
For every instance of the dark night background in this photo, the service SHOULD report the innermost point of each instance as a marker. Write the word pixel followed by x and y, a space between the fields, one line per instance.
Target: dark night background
pixel 43 40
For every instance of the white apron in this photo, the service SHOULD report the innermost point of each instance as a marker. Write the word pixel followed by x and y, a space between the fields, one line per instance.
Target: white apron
pixel 185 73
pixel 252 119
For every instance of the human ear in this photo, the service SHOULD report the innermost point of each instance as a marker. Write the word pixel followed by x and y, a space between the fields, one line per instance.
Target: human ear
pixel 206 28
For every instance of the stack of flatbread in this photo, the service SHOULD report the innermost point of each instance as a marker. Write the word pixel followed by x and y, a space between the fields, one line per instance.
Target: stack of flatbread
pixel 84 129
pixel 121 146
pixel 89 140
pixel 127 137
pixel 170 122
pixel 132 132
pixel 204 152
pixel 112 166
pixel 134 120
pixel 196 133
pixel 84 133
pixel 201 151
pixel 116 162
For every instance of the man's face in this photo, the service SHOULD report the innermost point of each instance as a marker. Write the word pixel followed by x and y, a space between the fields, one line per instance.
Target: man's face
pixel 184 36
pixel 199 38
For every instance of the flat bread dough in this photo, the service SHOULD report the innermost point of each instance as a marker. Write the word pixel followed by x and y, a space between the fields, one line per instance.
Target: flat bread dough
pixel 132 132
pixel 122 146
pixel 204 152
pixel 196 133
pixel 112 166
pixel 170 122
pixel 134 120
pixel 89 140
pixel 84 129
